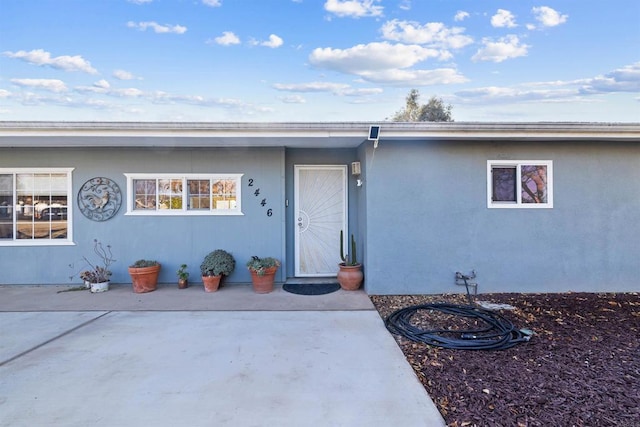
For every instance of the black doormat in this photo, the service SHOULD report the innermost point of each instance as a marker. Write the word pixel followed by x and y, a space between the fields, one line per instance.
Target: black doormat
pixel 311 288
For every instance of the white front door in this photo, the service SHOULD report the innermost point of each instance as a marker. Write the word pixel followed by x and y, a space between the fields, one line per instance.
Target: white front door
pixel 320 214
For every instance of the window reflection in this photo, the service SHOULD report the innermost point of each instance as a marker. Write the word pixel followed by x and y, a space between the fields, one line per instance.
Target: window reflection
pixel 188 194
pixel 145 193
pixel 39 209
pixel 199 194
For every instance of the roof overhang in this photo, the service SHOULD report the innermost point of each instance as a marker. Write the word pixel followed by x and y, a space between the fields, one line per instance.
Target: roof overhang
pixel 295 135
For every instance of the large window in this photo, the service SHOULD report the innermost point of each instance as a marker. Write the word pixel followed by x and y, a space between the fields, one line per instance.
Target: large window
pixel 183 194
pixel 519 184
pixel 35 206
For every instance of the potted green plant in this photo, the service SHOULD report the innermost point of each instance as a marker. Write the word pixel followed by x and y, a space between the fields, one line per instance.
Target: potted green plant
pixel 350 275
pixel 263 273
pixel 215 265
pixel 183 277
pixel 97 277
pixel 144 275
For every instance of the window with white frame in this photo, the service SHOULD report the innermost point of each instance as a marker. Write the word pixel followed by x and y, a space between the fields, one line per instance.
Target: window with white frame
pixel 184 194
pixel 35 206
pixel 520 184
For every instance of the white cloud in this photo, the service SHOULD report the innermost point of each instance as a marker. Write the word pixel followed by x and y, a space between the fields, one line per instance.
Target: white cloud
pixel 293 99
pixel 503 18
pixel 66 99
pixel 95 98
pixel 386 63
pixel 43 58
pixel 461 15
pixel 340 89
pixel 362 91
pixel 311 87
pixel 123 75
pixel 212 3
pixel 372 56
pixel 409 78
pixel 273 42
pixel 548 17
pixel 227 38
pixel 434 34
pixel 52 85
pixel 157 28
pixel 626 79
pixel 139 1
pixel 497 51
pixel 354 8
pixel 405 4
pixel 127 92
pixel 237 105
pixel 495 95
pixel 102 84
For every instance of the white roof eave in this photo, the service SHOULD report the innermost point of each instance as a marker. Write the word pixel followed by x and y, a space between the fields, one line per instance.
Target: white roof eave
pixel 294 135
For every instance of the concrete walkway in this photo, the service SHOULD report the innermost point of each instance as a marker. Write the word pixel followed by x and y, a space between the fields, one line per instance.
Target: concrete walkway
pixel 184 357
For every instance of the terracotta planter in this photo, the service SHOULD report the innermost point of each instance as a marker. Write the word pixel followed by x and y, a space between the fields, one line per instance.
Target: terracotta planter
pixel 144 279
pixel 350 277
pixel 183 283
pixel 211 283
pixel 263 284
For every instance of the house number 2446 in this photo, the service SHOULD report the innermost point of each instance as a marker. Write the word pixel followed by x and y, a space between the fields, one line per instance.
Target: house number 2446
pixel 263 202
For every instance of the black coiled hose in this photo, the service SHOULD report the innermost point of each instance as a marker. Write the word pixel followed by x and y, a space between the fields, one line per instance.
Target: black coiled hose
pixel 499 333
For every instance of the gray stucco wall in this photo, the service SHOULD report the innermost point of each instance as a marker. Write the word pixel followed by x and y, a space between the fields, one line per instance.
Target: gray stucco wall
pixel 170 240
pixel 427 217
pixel 420 216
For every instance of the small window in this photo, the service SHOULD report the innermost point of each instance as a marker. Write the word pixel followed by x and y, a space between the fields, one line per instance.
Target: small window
pixel 183 194
pixel 35 206
pixel 520 184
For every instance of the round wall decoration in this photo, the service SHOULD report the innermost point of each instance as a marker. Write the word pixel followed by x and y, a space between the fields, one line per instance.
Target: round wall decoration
pixel 99 199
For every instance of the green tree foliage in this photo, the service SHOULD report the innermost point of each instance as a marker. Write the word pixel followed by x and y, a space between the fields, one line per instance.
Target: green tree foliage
pixel 433 111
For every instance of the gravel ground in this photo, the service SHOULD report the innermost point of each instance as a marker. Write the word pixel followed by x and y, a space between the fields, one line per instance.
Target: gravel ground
pixel 580 368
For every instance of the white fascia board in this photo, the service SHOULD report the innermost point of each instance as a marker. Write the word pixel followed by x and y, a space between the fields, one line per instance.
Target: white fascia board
pixel 301 135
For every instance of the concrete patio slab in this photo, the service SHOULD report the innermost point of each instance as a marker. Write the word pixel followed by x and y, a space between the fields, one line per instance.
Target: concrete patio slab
pixel 23 333
pixel 211 368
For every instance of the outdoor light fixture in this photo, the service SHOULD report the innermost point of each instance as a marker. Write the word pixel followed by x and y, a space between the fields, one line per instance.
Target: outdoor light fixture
pixel 355 169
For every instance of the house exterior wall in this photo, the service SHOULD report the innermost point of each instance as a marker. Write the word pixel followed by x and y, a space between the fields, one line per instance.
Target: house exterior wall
pixel 420 215
pixel 427 218
pixel 172 240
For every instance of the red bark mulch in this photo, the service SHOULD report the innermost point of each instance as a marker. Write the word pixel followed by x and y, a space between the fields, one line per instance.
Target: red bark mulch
pixel 580 368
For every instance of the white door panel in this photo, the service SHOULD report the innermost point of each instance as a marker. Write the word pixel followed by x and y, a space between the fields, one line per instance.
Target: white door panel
pixel 320 214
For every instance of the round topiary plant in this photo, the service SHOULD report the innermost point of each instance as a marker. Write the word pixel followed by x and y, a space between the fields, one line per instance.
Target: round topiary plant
pixel 143 263
pixel 218 263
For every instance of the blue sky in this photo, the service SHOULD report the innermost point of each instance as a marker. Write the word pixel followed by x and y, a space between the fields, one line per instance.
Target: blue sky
pixel 318 60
